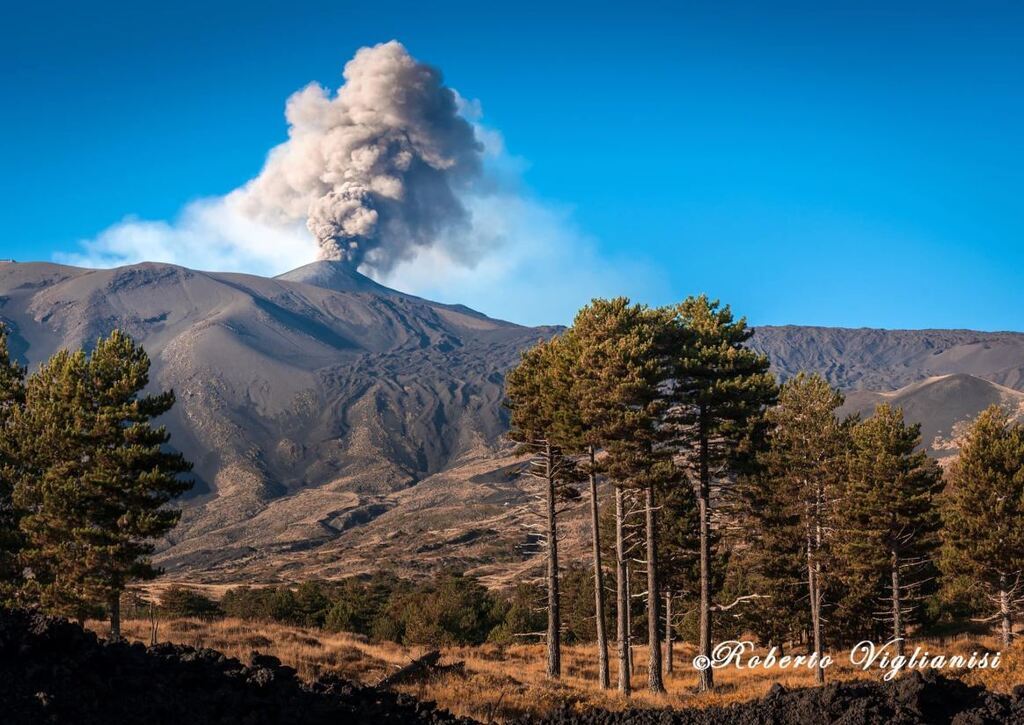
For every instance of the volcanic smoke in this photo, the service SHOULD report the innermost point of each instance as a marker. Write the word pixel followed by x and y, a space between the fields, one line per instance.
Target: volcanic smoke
pixel 376 169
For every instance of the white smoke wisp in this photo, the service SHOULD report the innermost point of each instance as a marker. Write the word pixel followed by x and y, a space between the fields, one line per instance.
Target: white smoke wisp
pixel 376 171
pixel 212 234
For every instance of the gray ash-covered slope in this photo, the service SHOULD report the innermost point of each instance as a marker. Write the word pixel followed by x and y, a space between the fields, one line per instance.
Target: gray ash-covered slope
pixel 869 359
pixel 308 402
pixel 941 379
pixel 339 426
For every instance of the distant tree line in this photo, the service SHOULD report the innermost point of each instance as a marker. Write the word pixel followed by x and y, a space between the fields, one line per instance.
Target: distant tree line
pixel 85 478
pixel 741 505
pixel 446 610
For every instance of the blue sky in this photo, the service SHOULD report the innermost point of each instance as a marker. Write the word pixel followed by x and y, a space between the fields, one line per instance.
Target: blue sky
pixel 855 164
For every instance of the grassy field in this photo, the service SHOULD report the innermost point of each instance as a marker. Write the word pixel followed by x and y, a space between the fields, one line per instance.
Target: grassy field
pixel 504 682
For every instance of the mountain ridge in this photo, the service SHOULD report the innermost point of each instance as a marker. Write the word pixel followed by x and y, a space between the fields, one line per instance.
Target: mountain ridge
pixel 337 424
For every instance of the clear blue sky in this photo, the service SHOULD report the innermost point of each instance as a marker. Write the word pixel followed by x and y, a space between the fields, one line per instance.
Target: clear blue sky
pixel 838 163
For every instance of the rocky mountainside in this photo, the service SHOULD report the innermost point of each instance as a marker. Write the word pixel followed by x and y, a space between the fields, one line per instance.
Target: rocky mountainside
pixel 941 378
pixel 944 405
pixel 309 402
pixel 869 359
pixel 338 425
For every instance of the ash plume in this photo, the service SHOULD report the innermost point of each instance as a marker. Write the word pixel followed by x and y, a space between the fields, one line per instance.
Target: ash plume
pixel 397 175
pixel 376 170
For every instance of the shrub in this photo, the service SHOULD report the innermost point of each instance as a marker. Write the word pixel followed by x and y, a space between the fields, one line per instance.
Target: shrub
pixel 179 601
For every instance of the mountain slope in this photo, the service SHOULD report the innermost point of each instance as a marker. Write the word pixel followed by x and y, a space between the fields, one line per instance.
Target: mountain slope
pixel 866 359
pixel 304 408
pixel 338 426
pixel 944 405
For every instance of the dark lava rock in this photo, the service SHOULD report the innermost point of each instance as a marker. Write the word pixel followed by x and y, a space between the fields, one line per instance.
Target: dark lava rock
pixel 53 671
pixel 914 699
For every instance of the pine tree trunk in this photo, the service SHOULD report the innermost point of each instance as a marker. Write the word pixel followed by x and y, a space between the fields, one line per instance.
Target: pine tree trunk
pixel 668 633
pixel 897 607
pixel 1004 611
pixel 707 681
pixel 814 582
pixel 812 589
pixel 554 670
pixel 629 621
pixel 621 597
pixel 654 681
pixel 599 609
pixel 115 617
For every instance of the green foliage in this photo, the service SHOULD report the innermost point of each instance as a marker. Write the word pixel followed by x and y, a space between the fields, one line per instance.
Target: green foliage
pixel 890 519
pixel 12 397
pixel 356 604
pixel 983 515
pixel 614 367
pixel 93 478
pixel 577 605
pixel 456 610
pixel 789 508
pixel 720 387
pixel 519 615
pixel 679 540
pixel 179 601
pixel 451 610
pixel 537 392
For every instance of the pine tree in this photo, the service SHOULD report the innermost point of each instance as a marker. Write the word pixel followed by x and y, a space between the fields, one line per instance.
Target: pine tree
pixel 50 491
pixel 12 397
pixel 890 521
pixel 95 478
pixel 720 389
pixel 131 473
pixel 538 395
pixel 790 501
pixel 679 553
pixel 615 372
pixel 983 516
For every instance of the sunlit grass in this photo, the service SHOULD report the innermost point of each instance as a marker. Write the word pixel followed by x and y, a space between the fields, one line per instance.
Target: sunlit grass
pixel 505 682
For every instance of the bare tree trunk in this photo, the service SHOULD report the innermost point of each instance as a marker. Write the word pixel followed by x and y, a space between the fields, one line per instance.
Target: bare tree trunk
pixel 553 637
pixel 622 597
pixel 152 625
pixel 897 607
pixel 668 633
pixel 654 681
pixel 629 620
pixel 1004 610
pixel 115 616
pixel 602 638
pixel 812 587
pixel 814 578
pixel 707 681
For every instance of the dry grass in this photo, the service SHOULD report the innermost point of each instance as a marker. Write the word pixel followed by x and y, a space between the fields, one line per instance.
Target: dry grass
pixel 504 682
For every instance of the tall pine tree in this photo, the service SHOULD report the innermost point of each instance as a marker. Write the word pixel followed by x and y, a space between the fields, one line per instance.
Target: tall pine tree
pixel 616 371
pixel 95 478
pixel 983 516
pixel 720 389
pixel 790 502
pixel 131 474
pixel 543 422
pixel 890 519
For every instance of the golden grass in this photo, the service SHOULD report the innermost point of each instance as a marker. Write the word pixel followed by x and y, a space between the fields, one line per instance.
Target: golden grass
pixel 501 683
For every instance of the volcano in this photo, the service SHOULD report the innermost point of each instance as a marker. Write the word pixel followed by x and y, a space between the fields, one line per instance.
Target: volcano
pixel 338 426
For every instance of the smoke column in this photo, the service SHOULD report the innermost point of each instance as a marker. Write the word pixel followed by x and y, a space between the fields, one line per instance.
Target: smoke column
pixel 376 170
